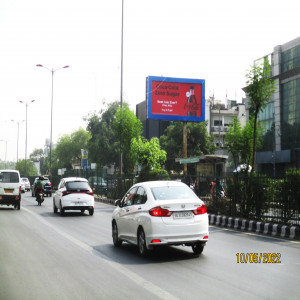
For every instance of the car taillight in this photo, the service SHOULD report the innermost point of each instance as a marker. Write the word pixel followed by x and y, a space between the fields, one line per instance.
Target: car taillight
pixel 65 193
pixel 200 210
pixel 160 212
pixel 90 193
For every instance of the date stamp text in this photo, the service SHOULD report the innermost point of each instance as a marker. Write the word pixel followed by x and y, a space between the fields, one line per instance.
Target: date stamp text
pixel 257 258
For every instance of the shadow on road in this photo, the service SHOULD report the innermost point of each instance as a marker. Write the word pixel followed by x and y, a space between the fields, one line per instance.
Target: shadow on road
pixel 128 254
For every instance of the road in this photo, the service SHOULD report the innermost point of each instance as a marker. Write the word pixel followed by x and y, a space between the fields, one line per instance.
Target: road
pixel 46 256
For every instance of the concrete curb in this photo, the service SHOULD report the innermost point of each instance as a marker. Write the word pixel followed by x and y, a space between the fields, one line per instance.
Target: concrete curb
pixel 276 230
pixel 104 200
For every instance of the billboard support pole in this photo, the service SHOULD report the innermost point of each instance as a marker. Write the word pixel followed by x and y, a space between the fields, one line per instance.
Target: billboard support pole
pixel 184 146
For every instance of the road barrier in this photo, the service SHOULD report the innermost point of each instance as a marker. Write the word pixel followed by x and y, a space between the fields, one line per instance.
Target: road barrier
pixel 276 230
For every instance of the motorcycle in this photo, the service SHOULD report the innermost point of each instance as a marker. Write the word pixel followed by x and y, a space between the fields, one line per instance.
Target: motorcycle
pixel 39 196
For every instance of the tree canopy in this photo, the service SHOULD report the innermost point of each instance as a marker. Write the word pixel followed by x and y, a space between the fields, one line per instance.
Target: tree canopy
pixel 68 148
pixel 198 142
pixel 110 128
pixel 30 168
pixel 103 149
pixel 127 127
pixel 260 88
pixel 239 141
pixel 148 153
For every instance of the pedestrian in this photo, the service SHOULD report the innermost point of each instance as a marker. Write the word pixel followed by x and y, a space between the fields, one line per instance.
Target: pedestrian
pixel 212 184
pixel 218 189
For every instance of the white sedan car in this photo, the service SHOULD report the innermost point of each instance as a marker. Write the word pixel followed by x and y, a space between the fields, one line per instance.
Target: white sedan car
pixel 160 213
pixel 74 193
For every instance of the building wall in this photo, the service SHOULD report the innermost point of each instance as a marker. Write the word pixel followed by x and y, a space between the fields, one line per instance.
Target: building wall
pixel 284 126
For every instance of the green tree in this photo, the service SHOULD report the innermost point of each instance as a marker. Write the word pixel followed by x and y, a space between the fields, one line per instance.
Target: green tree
pixel 30 168
pixel 68 149
pixel 198 142
pixel 148 153
pixel 7 165
pixel 239 141
pixel 38 155
pixel 260 88
pixel 126 127
pixel 103 146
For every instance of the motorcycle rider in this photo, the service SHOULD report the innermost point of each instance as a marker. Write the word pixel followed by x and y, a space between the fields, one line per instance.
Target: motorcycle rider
pixel 39 186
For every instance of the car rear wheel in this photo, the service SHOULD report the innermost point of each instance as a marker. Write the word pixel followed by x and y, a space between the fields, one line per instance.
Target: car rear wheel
pixel 117 242
pixel 143 251
pixel 18 205
pixel 198 248
pixel 91 211
pixel 54 207
pixel 62 211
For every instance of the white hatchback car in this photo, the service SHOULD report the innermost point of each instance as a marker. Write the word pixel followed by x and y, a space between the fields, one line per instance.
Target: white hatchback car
pixel 160 213
pixel 73 193
pixel 27 183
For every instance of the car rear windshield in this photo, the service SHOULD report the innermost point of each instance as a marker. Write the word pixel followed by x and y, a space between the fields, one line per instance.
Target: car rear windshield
pixel 77 185
pixel 9 177
pixel 173 193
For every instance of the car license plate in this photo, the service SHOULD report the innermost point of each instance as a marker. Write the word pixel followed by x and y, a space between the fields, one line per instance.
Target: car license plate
pixel 78 203
pixel 9 191
pixel 183 215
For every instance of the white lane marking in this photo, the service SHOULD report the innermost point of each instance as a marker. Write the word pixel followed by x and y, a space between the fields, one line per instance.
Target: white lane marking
pixel 150 287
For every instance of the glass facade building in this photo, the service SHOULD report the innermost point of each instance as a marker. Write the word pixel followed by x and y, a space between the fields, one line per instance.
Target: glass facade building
pixel 281 117
pixel 290 108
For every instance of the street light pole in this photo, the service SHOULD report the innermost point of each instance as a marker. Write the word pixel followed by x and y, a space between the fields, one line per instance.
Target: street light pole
pixel 26 104
pixel 52 75
pixel 121 86
pixel 18 123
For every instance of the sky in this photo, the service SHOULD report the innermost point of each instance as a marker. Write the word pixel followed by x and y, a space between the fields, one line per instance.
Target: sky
pixel 212 40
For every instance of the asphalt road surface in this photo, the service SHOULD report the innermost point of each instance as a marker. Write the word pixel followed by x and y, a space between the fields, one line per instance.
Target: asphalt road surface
pixel 46 256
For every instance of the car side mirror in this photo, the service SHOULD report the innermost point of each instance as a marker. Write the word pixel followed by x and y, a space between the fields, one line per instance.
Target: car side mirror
pixel 118 202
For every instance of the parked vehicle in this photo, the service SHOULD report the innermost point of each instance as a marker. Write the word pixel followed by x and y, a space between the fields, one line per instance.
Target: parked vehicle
pixel 47 187
pixel 158 213
pixel 10 188
pixel 27 183
pixel 73 193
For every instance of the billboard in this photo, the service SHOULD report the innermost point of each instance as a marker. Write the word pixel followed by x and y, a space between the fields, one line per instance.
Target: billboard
pixel 175 99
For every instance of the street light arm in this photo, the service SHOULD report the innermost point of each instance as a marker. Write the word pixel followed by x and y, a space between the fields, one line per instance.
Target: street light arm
pixel 52 70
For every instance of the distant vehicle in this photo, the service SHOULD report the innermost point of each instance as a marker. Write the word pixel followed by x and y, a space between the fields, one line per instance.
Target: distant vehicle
pixel 47 187
pixel 10 188
pixel 158 213
pixel 73 193
pixel 27 183
pixel 22 186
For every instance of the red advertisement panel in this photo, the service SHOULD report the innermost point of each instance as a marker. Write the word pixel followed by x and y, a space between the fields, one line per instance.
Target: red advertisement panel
pixel 176 98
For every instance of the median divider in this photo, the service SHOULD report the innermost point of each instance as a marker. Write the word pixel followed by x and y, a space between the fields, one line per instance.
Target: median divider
pixel 276 230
